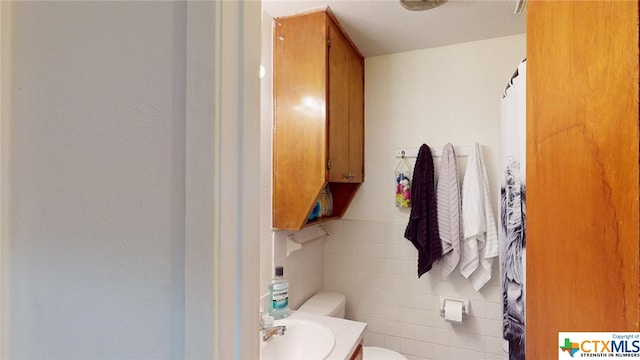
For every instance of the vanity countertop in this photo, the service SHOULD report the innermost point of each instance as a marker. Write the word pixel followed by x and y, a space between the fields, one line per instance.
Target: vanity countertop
pixel 348 333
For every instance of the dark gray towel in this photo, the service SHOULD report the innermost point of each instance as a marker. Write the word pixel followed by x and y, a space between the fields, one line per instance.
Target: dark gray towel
pixel 422 229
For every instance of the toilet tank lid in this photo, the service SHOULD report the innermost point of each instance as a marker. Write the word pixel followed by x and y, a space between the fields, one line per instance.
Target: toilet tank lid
pixel 324 303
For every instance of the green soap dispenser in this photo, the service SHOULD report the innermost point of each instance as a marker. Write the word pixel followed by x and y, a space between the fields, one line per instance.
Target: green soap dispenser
pixel 279 293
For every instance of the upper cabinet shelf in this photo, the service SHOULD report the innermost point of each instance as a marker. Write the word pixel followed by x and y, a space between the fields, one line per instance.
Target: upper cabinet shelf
pixel 318 134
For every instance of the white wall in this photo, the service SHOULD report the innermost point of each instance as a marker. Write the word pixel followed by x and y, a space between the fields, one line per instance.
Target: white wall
pixel 433 96
pixel 5 71
pixel 266 133
pixel 96 192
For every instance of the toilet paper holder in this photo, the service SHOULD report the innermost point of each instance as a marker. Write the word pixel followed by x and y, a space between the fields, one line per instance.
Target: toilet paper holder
pixel 465 305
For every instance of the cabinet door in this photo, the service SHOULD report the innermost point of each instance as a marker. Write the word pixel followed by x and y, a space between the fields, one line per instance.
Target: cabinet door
pixel 346 110
pixel 299 135
pixel 356 116
pixel 357 355
pixel 338 106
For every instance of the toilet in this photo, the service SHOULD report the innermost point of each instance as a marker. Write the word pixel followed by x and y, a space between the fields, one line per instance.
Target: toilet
pixel 333 304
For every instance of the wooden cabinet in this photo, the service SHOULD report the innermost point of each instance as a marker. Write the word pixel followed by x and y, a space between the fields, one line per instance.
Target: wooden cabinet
pixel 318 134
pixel 357 355
pixel 583 215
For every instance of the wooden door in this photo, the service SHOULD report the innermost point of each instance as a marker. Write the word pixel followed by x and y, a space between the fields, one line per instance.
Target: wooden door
pixel 346 109
pixel 356 116
pixel 338 106
pixel 582 170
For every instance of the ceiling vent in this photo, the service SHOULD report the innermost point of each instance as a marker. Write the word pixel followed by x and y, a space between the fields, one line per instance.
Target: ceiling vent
pixel 419 5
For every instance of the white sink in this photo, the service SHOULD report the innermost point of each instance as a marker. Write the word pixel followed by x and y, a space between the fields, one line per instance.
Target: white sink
pixel 303 339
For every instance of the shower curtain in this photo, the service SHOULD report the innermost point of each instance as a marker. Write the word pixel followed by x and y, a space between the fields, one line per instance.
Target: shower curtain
pixel 512 213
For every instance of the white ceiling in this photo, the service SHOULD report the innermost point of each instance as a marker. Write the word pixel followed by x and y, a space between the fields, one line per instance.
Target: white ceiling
pixel 380 27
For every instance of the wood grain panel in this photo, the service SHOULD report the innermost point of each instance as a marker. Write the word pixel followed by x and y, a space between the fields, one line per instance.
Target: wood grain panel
pixel 338 105
pixel 582 170
pixel 300 88
pixel 357 355
pixel 356 116
pixel 346 109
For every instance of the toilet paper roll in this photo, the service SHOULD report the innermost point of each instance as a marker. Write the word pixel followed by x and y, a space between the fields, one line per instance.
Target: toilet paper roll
pixel 453 311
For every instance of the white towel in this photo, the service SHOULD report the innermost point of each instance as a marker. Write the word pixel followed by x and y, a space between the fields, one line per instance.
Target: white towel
pixel 480 244
pixel 448 201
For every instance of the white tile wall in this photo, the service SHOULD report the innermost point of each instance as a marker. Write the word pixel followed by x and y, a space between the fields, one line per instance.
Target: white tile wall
pixel 376 268
pixel 304 269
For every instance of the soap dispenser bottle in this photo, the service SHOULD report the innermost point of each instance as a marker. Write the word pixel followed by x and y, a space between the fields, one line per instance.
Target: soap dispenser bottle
pixel 279 292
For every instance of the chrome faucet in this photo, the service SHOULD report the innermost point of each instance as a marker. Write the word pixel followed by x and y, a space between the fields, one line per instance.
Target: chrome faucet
pixel 267 330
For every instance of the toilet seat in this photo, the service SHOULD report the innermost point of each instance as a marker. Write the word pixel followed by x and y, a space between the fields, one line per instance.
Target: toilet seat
pixel 377 353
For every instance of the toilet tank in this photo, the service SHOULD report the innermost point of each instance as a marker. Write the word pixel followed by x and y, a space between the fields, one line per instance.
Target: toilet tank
pixel 327 303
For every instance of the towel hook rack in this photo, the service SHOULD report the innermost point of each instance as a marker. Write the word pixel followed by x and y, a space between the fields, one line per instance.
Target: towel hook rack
pixel 436 151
